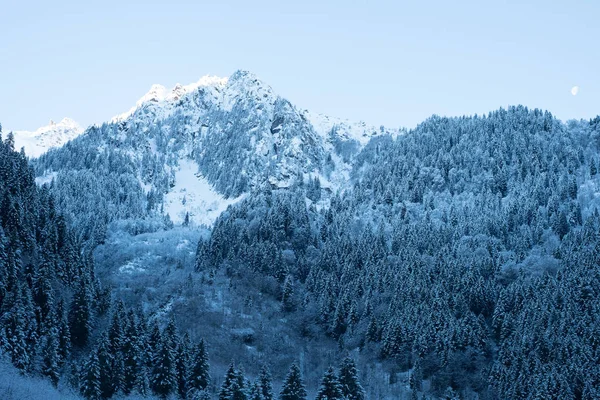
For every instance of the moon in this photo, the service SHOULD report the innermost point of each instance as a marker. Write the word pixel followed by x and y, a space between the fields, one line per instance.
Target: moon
pixel 575 90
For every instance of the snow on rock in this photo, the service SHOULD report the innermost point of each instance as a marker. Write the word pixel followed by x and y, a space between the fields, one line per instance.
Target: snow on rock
pixel 165 98
pixel 53 135
pixel 344 129
pixel 193 194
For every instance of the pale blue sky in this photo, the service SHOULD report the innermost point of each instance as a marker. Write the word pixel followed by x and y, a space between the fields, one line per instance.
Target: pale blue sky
pixel 385 62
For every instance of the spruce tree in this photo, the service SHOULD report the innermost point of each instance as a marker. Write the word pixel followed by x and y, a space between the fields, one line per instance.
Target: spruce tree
pixel 182 362
pixel 170 335
pixel 351 387
pixel 287 296
pixel 330 387
pixel 195 394
pixel 80 315
pixel 51 358
pixel 226 392
pixel 90 378
pixel 255 392
pixel 64 334
pixel 266 386
pixel 199 377
pixel 237 389
pixel 163 381
pixel 293 387
pixel 118 373
pixel 42 291
pixel 154 341
pixel 15 333
pixel 116 331
pixel 142 382
pixel 30 326
pixel 132 355
pixel 107 372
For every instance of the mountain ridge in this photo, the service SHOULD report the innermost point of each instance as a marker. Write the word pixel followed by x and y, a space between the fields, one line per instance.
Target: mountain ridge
pixel 239 134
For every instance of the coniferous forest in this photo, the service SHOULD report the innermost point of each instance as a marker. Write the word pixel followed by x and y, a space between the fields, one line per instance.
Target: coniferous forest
pixel 460 259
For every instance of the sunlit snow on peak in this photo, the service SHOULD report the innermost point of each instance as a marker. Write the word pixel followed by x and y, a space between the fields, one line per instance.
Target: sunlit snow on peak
pixel 159 93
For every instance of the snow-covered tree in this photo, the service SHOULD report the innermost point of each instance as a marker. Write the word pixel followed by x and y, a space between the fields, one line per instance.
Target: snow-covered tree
pixel 293 386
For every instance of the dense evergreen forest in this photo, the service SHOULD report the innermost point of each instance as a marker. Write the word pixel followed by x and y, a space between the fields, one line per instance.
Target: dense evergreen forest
pixel 57 321
pixel 467 252
pixel 463 255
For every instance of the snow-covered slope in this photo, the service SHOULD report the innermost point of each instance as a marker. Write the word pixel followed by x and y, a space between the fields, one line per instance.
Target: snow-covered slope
pixel 194 196
pixel 52 135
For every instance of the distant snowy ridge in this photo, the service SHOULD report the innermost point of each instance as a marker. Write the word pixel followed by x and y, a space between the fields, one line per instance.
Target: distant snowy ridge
pixel 50 136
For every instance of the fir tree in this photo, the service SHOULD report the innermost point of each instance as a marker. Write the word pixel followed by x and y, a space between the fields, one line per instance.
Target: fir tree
pixel 199 377
pixel 330 387
pixel 116 331
pixel 90 379
pixel 106 363
pixel 132 357
pixel 64 334
pixel 142 382
pixel 15 333
pixel 237 389
pixel 163 380
pixel 266 386
pixel 42 291
pixel 255 392
pixel 350 385
pixel 287 296
pixel 293 387
pixel 80 315
pixel 154 342
pixel 170 335
pixel 51 358
pixel 182 362
pixel 231 376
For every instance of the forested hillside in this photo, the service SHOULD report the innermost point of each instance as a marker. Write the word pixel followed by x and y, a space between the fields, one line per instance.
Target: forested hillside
pixel 457 260
pixel 465 252
pixel 58 322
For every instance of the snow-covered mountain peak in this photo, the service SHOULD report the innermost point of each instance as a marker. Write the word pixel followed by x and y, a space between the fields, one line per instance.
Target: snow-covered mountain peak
pixel 156 93
pixel 55 134
pixel 160 94
pixel 202 146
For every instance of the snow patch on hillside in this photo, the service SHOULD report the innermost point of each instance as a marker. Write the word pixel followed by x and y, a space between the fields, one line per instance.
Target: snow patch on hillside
pixel 47 178
pixel 194 195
